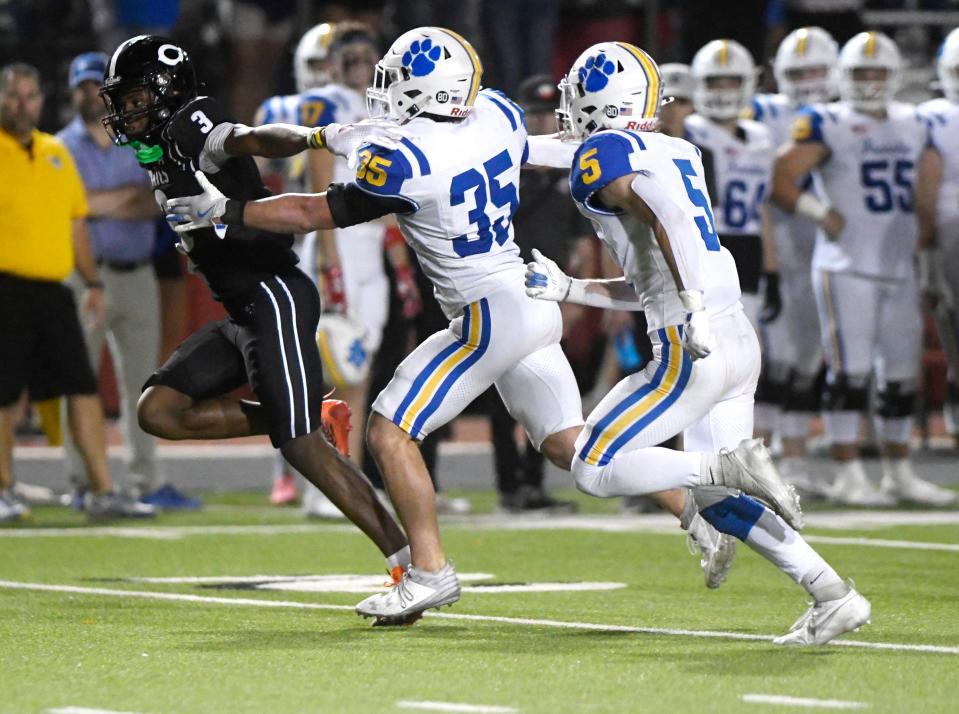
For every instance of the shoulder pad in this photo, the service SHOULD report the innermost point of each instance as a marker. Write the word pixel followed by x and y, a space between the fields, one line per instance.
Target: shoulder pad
pixel 188 128
pixel 601 159
pixel 382 171
pixel 513 112
pixel 807 127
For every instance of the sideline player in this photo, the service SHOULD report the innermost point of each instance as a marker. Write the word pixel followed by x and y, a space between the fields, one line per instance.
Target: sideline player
pixel 866 147
pixel 937 208
pixel 435 178
pixel 738 157
pixel 806 73
pixel 150 90
pixel 645 194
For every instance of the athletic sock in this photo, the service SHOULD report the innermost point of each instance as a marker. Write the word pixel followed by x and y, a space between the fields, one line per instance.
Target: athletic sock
pixel 400 558
pixel 823 583
pixel 780 544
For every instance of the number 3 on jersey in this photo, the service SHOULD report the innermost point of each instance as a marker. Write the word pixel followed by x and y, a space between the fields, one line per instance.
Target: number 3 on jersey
pixel 486 188
pixel 706 224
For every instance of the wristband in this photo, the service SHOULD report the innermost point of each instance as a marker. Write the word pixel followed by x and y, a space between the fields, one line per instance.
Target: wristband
pixel 811 207
pixel 316 139
pixel 233 212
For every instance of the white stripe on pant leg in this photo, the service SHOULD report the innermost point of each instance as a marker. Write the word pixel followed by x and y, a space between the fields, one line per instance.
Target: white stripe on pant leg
pixel 299 357
pixel 279 332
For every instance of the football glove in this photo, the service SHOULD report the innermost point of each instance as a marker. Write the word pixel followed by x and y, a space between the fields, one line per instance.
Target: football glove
pixel 545 280
pixel 188 213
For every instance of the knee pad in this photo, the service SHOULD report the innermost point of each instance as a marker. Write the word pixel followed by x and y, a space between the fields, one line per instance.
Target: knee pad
pixel 846 394
pixel 897 400
pixel 802 394
pixel 734 515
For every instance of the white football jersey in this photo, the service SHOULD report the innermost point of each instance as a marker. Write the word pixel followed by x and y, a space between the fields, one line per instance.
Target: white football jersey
pixel 676 192
pixel 461 180
pixel 742 164
pixel 869 178
pixel 795 234
pixel 943 118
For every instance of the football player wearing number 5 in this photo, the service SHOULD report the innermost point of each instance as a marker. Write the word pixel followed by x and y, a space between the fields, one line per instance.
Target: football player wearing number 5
pixel 267 340
pixel 738 158
pixel 646 196
pixel 866 148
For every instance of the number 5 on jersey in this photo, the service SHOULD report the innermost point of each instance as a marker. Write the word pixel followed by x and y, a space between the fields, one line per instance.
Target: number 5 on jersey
pixel 706 224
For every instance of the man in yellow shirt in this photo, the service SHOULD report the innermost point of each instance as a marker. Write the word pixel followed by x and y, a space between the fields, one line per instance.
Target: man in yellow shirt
pixel 42 238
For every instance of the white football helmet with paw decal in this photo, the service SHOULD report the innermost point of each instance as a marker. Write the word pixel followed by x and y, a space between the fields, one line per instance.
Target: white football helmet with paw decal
pixel 429 70
pixel 612 85
pixel 805 66
pixel 865 51
pixel 716 60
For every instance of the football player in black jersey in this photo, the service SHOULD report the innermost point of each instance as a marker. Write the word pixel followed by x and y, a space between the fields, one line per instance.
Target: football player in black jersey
pixel 268 340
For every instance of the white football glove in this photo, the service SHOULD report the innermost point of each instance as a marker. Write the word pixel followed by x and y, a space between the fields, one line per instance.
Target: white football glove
pixel 697 335
pixel 188 213
pixel 545 280
pixel 344 139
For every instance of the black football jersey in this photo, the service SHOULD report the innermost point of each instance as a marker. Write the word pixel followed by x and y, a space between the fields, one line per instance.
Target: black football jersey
pixel 235 263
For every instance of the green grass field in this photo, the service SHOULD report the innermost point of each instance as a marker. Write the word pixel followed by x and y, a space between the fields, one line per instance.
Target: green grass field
pixel 193 647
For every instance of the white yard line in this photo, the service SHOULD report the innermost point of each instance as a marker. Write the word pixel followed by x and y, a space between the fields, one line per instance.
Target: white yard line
pixel 802 702
pixel 455 707
pixel 884 543
pixel 560 624
pixel 84 710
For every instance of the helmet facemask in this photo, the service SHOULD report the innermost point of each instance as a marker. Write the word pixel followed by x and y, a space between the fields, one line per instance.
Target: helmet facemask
pixel 808 85
pixel 870 93
pixel 379 103
pixel 723 102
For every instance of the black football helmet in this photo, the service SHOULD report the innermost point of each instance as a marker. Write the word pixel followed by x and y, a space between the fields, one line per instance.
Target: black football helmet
pixel 150 63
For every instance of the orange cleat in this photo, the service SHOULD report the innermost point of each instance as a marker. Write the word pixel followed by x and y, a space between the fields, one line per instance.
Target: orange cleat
pixel 336 424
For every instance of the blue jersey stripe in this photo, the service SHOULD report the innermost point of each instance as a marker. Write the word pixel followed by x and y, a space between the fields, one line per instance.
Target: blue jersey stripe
pixel 418 154
pixel 502 108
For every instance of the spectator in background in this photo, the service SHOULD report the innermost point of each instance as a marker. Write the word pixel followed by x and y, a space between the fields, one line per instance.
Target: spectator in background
pixel 522 34
pixel 261 30
pixel 42 237
pixel 122 229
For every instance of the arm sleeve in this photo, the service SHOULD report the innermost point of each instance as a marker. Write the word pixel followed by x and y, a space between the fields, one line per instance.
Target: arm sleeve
pixel 190 128
pixel 349 204
pixel 550 151
pixel 684 237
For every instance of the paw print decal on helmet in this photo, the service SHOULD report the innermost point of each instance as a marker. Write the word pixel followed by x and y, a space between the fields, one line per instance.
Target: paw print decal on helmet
pixel 596 72
pixel 421 57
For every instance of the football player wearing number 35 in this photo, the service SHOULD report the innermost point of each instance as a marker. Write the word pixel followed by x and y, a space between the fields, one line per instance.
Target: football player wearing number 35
pixel 870 152
pixel 267 340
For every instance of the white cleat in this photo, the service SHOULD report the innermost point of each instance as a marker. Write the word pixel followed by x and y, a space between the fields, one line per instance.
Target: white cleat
pixel 415 592
pixel 853 488
pixel 900 482
pixel 716 549
pixel 317 505
pixel 450 506
pixel 749 467
pixel 824 621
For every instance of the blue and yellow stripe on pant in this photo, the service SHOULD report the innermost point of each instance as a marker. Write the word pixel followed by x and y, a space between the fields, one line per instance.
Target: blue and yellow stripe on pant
pixel 645 405
pixel 436 379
